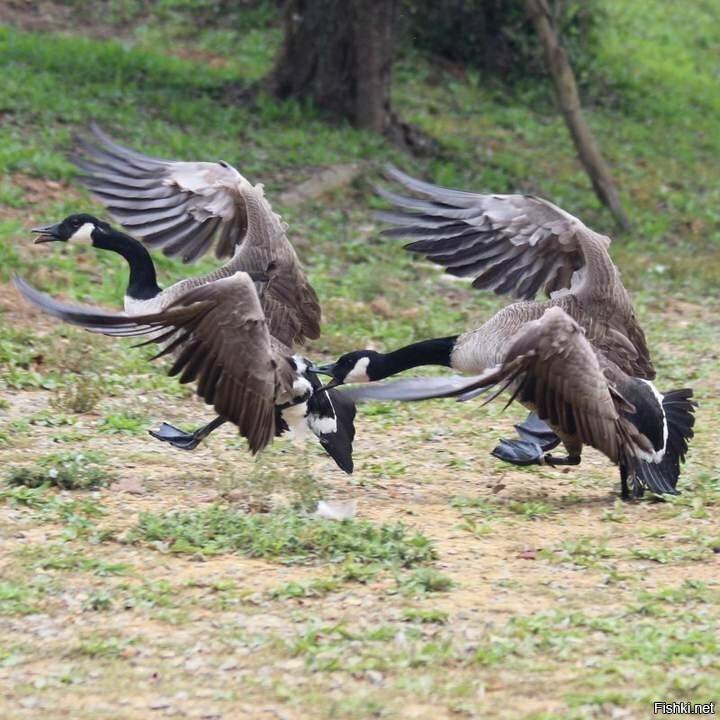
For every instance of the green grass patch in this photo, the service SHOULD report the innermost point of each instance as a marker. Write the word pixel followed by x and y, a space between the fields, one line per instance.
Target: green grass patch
pixel 317 587
pixel 67 471
pixel 329 648
pixel 77 516
pixel 584 552
pixel 285 536
pixel 125 422
pixel 424 581
pixel 60 557
pixel 99 646
pixel 425 616
pixel 18 598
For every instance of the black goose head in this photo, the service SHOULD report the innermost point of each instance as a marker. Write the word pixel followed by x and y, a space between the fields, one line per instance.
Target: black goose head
pixel 79 227
pixel 353 367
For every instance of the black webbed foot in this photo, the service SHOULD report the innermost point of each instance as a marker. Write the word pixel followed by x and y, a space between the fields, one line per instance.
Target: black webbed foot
pixel 525 452
pixel 533 429
pixel 519 452
pixel 552 460
pixel 176 437
pixel 186 441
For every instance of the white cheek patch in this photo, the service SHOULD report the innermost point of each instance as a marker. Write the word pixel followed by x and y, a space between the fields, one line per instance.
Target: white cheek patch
pixel 359 372
pixel 301 387
pixel 83 234
pixel 322 425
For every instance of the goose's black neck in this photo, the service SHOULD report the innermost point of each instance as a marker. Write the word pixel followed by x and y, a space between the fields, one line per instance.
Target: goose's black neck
pixel 142 284
pixel 426 352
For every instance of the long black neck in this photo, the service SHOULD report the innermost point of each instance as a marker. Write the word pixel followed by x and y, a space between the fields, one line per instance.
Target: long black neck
pixel 426 352
pixel 143 280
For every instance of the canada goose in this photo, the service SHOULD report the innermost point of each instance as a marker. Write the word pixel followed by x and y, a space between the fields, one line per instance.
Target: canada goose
pixel 550 367
pixel 518 245
pixel 512 244
pixel 233 330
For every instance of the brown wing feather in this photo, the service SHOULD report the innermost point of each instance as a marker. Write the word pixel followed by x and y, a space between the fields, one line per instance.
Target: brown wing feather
pixel 291 306
pixel 520 245
pixel 187 207
pixel 553 368
pixel 219 339
pixel 183 207
pixel 514 244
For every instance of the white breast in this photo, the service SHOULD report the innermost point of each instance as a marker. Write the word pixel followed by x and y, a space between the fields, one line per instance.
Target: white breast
pixel 295 417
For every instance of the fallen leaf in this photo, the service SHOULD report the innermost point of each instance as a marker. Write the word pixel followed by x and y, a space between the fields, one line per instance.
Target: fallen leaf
pixel 336 510
pixel 380 306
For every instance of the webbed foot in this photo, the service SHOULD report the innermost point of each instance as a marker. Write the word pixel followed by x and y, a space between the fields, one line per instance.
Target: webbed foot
pixel 533 429
pixel 176 437
pixel 519 452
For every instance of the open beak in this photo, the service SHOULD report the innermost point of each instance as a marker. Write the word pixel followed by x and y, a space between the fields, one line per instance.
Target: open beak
pixel 323 369
pixel 329 386
pixel 50 233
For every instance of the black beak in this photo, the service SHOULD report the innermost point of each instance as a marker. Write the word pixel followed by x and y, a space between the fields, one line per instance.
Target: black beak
pixel 323 369
pixel 50 233
pixel 329 386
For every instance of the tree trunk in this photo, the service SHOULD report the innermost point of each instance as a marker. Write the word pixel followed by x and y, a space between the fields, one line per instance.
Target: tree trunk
pixel 339 54
pixel 563 79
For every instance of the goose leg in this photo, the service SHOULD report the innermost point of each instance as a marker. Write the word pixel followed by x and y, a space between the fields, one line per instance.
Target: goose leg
pixel 624 489
pixel 552 460
pixel 637 489
pixel 183 440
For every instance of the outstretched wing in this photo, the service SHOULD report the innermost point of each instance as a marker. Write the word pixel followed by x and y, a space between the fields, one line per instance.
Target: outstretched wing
pixel 185 207
pixel 182 207
pixel 512 244
pixel 219 339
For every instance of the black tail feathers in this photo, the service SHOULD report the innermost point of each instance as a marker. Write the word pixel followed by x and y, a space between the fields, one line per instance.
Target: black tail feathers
pixel 661 478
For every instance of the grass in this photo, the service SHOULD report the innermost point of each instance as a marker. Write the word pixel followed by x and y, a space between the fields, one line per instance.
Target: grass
pixel 529 593
pixel 17 598
pixel 437 617
pixel 59 557
pixel 425 581
pixel 68 471
pixel 286 536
